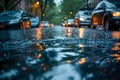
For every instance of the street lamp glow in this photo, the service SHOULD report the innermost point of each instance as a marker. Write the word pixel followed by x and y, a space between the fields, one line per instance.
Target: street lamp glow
pixel 65 17
pixel 43 14
pixel 71 12
pixel 62 19
pixel 37 2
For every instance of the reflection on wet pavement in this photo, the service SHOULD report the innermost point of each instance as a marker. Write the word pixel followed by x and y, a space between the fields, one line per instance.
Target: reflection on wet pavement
pixel 59 53
pixel 63 72
pixel 116 34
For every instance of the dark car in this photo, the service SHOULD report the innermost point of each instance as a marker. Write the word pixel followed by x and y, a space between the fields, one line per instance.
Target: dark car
pixel 106 15
pixel 16 19
pixel 83 18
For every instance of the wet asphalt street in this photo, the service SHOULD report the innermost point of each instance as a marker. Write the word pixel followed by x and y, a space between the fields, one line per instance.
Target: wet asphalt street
pixel 59 53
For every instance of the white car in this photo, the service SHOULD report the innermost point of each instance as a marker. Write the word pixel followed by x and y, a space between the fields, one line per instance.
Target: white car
pixel 83 18
pixel 44 24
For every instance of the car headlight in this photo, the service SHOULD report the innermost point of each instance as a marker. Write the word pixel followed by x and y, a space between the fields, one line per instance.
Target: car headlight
pixel 81 19
pixel 63 24
pixel 116 14
pixel 69 23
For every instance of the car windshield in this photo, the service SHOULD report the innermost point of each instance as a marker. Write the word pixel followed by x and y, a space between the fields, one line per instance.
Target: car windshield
pixel 85 13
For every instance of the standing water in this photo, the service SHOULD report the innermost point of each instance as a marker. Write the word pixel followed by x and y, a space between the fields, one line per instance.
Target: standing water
pixel 59 53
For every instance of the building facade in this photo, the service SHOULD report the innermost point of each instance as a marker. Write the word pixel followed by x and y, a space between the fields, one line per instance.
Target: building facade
pixel 90 4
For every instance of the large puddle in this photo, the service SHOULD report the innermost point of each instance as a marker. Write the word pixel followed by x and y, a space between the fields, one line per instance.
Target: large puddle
pixel 59 53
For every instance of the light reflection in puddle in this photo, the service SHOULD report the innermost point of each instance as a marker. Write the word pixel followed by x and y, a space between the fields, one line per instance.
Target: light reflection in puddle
pixel 61 54
pixel 62 72
pixel 81 32
pixel 68 61
pixel 68 32
pixel 82 61
pixel 80 45
pixel 38 33
pixel 116 47
pixel 39 47
pixel 116 34
pixel 116 57
pixel 39 56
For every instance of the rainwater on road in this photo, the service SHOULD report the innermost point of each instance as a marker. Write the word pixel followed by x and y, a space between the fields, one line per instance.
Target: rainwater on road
pixel 59 53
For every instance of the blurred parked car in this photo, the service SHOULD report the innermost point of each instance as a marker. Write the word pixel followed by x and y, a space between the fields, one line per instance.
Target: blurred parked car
pixel 68 22
pixel 16 19
pixel 83 18
pixel 51 24
pixel 65 23
pixel 44 24
pixel 107 15
pixel 35 21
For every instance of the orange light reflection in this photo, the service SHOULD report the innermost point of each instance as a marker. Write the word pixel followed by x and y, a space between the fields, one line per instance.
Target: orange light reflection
pixel 116 34
pixel 81 32
pixel 38 33
pixel 40 47
pixel 116 47
pixel 68 31
pixel 82 61
pixel 68 61
pixel 39 56
pixel 116 57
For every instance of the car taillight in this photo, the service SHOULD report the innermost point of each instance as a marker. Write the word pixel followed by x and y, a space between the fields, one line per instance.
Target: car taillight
pixel 76 21
pixel 28 22
pixel 95 21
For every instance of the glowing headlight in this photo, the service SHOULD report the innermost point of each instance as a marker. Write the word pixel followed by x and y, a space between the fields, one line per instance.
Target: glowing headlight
pixel 116 14
pixel 69 23
pixel 82 19
pixel 63 24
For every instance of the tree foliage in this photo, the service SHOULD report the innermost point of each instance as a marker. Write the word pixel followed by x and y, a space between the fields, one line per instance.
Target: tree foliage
pixel 50 11
pixel 52 14
pixel 45 5
pixel 8 4
pixel 70 7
